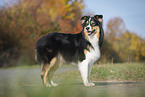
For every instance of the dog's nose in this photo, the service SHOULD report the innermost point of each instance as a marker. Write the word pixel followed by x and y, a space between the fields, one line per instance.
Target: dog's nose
pixel 87 28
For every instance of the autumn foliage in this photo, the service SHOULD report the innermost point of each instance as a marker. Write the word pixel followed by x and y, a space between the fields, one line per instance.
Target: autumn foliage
pixel 23 22
pixel 121 44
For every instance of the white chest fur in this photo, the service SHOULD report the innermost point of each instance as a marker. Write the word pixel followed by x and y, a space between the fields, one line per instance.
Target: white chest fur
pixel 93 54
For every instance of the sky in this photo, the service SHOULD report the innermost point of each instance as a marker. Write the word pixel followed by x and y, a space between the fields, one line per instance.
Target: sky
pixel 131 11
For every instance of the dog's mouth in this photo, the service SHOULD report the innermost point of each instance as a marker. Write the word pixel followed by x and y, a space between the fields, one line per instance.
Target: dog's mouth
pixel 91 32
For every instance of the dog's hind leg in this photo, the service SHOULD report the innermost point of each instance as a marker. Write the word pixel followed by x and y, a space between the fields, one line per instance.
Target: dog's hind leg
pixel 51 72
pixel 43 70
pixel 52 63
pixel 59 61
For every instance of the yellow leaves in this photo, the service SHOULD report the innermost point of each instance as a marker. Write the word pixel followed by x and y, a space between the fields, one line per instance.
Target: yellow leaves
pixel 69 16
pixel 127 35
pixel 44 15
pixel 143 49
pixel 68 7
pixel 27 20
pixel 128 45
pixel 134 42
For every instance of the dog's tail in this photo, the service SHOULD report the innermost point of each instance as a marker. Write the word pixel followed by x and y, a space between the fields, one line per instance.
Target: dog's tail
pixel 36 57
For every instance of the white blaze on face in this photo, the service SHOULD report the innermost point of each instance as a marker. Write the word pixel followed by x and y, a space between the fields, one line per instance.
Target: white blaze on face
pixel 88 27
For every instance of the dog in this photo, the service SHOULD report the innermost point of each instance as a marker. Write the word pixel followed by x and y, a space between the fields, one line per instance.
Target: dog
pixel 83 48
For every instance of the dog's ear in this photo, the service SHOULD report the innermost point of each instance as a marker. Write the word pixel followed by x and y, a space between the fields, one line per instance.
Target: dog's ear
pixel 83 19
pixel 101 38
pixel 99 18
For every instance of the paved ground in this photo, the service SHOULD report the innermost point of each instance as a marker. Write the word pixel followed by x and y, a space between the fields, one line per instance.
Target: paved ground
pixel 27 83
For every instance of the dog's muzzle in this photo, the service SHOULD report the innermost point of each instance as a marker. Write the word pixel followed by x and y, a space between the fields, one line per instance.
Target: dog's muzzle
pixel 91 32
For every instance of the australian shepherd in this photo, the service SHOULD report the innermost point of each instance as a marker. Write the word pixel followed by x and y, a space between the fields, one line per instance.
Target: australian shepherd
pixel 83 49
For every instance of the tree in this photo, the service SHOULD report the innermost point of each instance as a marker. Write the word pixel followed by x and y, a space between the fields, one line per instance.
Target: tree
pixel 128 46
pixel 28 20
pixel 115 27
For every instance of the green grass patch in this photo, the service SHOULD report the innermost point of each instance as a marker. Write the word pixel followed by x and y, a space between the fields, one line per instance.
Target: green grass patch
pixel 119 72
pixel 106 72
pixel 25 81
pixel 110 72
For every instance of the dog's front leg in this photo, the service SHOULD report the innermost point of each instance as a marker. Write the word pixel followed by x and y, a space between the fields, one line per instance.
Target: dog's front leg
pixel 84 70
pixel 89 75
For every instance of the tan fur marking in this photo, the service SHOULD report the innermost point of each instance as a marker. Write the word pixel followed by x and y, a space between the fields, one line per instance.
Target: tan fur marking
pixel 98 35
pixel 85 52
pixel 82 21
pixel 51 72
pixel 86 35
pixel 43 68
pixel 100 20
pixel 52 62
pixel 50 69
pixel 92 22
pixel 84 18
pixel 55 67
pixel 87 22
pixel 97 30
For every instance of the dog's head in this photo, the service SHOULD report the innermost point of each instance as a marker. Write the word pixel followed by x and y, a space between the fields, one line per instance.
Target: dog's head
pixel 93 26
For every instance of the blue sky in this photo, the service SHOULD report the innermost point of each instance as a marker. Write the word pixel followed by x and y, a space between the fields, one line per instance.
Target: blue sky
pixel 131 11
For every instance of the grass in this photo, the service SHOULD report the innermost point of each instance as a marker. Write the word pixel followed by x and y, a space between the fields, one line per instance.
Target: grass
pixel 27 82
pixel 112 72
pixel 105 72
pixel 119 72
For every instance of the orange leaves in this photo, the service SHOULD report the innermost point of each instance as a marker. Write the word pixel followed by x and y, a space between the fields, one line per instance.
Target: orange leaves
pixel 28 20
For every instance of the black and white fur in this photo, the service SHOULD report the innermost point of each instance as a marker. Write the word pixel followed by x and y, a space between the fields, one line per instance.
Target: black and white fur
pixel 83 48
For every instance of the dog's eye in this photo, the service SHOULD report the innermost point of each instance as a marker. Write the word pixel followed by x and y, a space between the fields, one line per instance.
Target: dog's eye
pixel 93 24
pixel 85 24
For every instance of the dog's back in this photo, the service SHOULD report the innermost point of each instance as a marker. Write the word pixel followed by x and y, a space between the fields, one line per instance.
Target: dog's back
pixel 70 46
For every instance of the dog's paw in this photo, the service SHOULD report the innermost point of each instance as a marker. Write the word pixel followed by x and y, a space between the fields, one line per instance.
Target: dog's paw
pixel 89 84
pixel 54 84
pixel 92 84
pixel 48 85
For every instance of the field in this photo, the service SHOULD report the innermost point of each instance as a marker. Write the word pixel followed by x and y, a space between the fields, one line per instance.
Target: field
pixel 112 80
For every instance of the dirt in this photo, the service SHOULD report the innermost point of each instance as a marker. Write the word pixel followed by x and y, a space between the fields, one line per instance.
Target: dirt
pixel 27 83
